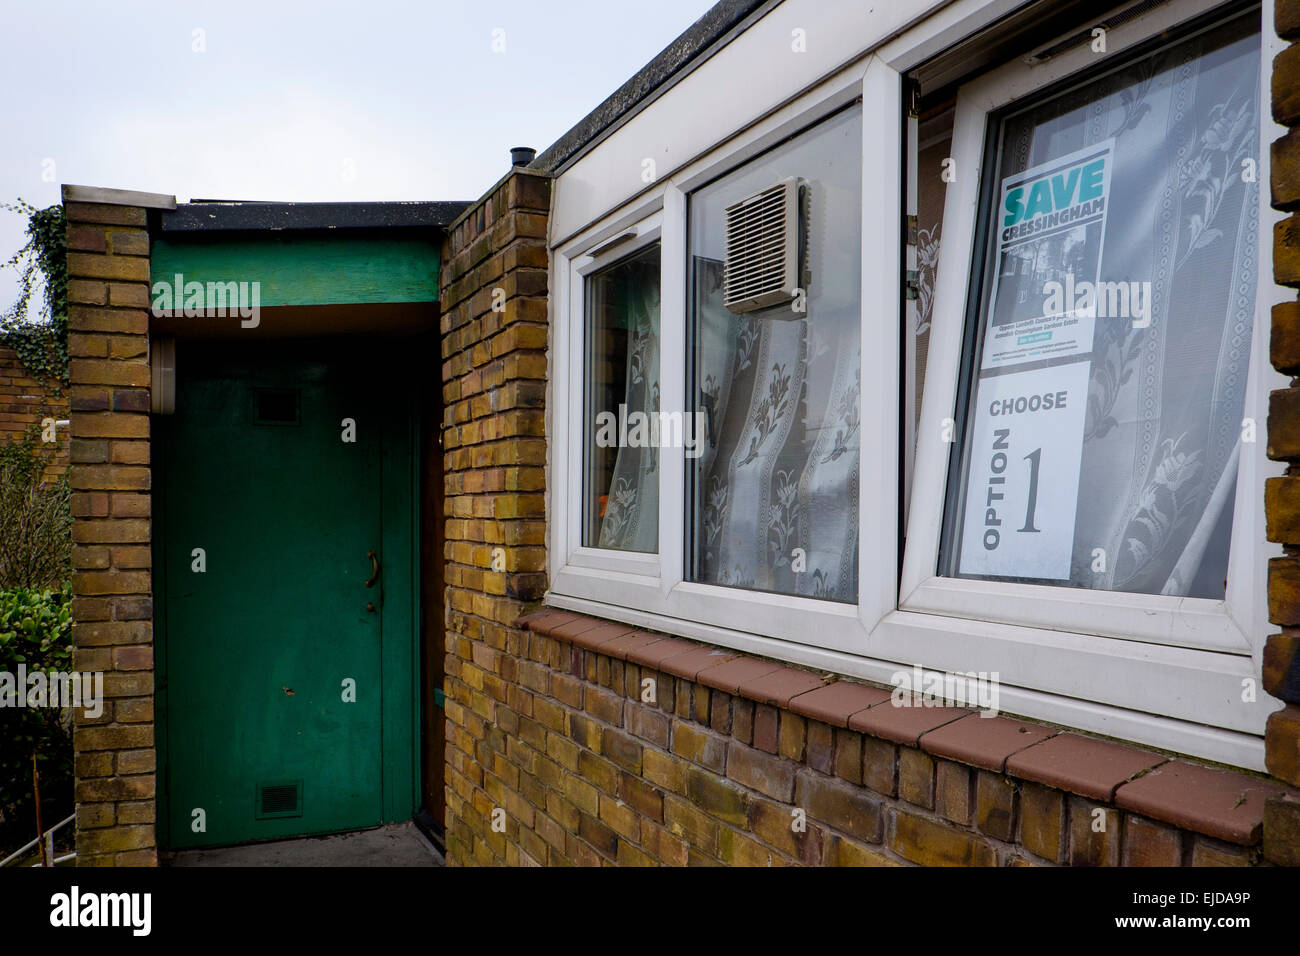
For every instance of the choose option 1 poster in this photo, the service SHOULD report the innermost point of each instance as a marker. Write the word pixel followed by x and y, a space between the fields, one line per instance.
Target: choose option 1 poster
pixel 1022 487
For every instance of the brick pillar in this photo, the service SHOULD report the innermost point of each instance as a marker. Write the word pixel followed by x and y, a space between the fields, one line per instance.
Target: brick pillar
pixel 108 344
pixel 1282 495
pixel 494 336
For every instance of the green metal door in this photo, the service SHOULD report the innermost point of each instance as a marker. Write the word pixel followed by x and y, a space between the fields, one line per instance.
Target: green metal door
pixel 282 491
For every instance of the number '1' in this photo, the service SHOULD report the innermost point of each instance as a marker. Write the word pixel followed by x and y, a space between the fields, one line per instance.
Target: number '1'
pixel 1032 504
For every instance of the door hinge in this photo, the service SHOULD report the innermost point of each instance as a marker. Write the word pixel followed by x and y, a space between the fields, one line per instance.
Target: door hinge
pixel 911 230
pixel 439 699
pixel 912 95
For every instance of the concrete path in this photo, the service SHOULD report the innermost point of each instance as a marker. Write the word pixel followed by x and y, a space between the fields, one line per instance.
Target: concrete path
pixel 399 844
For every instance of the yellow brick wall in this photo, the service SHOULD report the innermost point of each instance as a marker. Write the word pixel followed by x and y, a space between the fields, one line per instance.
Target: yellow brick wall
pixel 108 345
pixel 494 337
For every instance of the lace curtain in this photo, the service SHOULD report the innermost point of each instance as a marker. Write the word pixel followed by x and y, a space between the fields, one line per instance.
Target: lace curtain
pixel 631 515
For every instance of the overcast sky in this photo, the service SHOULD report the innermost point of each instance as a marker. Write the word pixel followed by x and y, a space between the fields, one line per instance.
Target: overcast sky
pixel 300 100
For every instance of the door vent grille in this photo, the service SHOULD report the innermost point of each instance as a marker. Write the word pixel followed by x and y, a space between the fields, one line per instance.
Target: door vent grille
pixel 280 799
pixel 763 239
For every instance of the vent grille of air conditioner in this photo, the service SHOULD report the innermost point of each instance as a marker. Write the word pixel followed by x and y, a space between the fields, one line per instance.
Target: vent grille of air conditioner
pixel 764 256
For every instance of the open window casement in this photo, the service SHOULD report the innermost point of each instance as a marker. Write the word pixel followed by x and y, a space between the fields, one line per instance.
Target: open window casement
pixel 1084 511
pixel 613 347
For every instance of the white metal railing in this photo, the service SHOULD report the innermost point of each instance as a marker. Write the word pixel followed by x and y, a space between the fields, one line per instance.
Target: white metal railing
pixel 49 846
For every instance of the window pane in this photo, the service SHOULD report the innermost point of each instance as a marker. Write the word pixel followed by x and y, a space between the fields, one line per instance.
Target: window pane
pixel 1114 329
pixel 621 492
pixel 774 488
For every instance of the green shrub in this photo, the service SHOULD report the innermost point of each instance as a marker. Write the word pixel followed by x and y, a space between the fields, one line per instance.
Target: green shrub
pixel 35 540
pixel 36 632
pixel 36 628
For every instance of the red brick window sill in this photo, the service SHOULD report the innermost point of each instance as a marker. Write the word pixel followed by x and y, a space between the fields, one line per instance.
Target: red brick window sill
pixel 1216 803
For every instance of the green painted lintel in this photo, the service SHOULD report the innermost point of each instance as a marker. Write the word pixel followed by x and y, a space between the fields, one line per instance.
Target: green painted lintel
pixel 305 270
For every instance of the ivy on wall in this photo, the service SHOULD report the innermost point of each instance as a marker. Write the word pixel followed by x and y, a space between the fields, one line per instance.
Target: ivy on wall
pixel 40 339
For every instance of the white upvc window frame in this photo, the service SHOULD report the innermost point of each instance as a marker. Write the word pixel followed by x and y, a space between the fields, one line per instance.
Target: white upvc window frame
pixel 1174 680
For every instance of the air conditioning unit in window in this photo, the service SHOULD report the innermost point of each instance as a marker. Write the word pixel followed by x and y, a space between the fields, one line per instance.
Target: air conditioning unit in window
pixel 765 240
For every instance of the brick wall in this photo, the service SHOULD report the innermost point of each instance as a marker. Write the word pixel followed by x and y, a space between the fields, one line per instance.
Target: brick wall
pixel 1282 498
pixel 108 341
pixel 25 401
pixel 602 743
pixel 494 337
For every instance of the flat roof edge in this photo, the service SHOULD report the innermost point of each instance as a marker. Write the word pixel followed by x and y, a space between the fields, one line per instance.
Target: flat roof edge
pixel 707 34
pixel 288 216
pixel 117 197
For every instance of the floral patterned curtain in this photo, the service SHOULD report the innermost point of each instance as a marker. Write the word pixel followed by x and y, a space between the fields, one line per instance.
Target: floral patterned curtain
pixel 781 471
pixel 631 518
